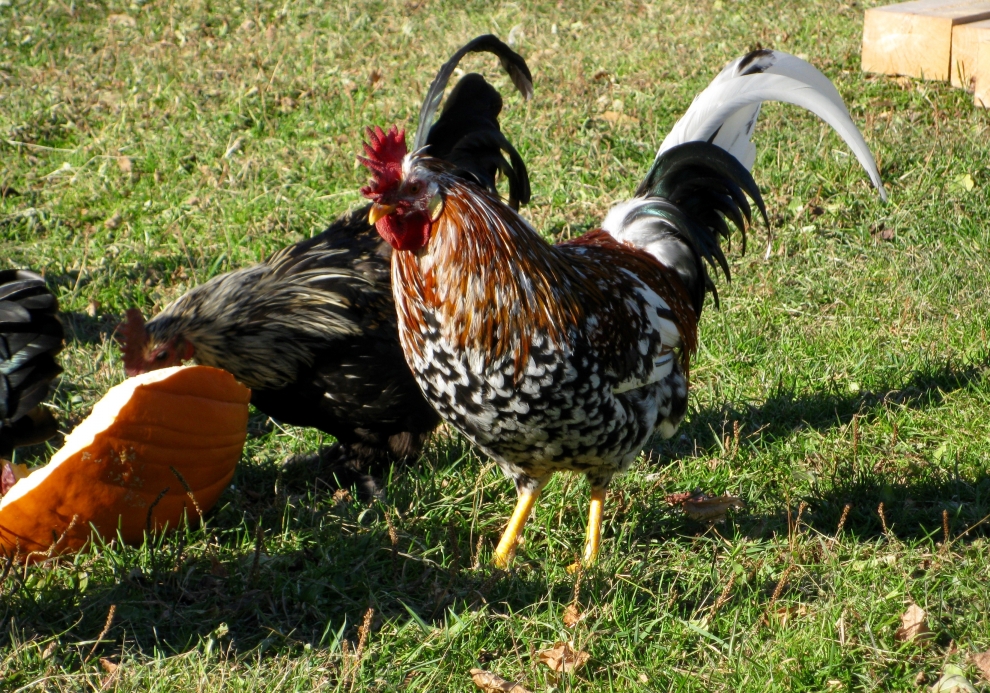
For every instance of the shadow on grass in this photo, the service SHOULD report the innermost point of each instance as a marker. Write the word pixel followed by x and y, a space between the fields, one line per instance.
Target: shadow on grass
pixel 323 561
pixel 786 411
pixel 82 328
pixel 957 492
pixel 307 579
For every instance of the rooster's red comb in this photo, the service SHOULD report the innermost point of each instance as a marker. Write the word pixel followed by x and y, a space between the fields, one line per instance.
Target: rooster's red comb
pixel 133 338
pixel 385 151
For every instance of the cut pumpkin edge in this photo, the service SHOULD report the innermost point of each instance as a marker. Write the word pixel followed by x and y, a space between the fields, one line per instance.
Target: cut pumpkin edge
pixel 102 418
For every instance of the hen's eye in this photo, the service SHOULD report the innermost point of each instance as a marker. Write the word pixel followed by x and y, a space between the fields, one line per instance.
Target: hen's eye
pixel 161 355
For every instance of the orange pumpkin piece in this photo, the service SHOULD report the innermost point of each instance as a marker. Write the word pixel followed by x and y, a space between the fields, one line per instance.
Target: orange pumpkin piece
pixel 129 464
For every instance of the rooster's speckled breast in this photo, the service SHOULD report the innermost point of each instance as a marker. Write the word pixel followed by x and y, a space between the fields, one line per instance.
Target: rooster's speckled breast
pixel 562 412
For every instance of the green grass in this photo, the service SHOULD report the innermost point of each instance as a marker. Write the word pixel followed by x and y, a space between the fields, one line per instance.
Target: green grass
pixel 854 362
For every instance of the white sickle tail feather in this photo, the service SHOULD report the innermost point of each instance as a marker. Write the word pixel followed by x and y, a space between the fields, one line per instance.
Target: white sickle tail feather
pixel 725 113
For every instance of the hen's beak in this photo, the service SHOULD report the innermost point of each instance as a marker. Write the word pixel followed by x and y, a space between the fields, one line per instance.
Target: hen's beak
pixel 378 211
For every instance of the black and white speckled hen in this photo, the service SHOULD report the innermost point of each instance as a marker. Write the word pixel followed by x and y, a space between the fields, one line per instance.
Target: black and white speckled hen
pixel 30 338
pixel 569 357
pixel 312 330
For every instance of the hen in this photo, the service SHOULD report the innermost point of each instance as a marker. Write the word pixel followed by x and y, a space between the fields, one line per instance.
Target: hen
pixel 30 338
pixel 312 330
pixel 569 357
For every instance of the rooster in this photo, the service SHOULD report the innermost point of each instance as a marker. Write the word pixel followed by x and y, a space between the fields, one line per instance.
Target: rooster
pixel 30 338
pixel 312 330
pixel 569 357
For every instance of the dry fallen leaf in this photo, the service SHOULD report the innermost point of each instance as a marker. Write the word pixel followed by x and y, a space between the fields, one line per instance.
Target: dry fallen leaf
pixel 93 308
pixel 125 164
pixel 953 681
pixel 122 20
pixel 493 683
pixel 982 662
pixel 704 508
pixel 107 665
pixel 572 615
pixel 913 625
pixel 617 118
pixel 789 613
pixel 114 221
pixel 562 657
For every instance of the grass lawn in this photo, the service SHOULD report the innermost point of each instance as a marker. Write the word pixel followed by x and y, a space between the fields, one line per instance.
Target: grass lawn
pixel 146 147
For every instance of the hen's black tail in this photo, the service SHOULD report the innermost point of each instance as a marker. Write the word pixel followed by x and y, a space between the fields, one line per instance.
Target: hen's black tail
pixel 467 133
pixel 30 337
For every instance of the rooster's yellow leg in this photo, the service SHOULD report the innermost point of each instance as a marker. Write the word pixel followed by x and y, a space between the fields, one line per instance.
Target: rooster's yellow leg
pixel 506 549
pixel 593 539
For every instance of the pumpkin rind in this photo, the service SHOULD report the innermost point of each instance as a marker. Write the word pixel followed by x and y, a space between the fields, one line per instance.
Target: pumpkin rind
pixel 116 464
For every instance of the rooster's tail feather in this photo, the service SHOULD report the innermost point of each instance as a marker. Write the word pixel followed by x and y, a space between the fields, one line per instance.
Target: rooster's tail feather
pixel 725 113
pixel 680 212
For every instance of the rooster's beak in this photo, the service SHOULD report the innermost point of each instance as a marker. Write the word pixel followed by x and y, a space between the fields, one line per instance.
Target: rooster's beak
pixel 378 211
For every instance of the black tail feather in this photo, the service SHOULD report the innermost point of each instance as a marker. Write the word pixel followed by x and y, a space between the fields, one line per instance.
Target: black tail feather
pixel 467 133
pixel 511 61
pixel 694 190
pixel 30 337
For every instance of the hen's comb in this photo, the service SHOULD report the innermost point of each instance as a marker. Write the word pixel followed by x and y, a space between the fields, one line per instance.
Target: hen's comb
pixel 133 338
pixel 385 151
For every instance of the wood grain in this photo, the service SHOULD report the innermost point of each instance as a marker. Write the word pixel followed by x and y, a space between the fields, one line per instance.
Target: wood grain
pixel 915 38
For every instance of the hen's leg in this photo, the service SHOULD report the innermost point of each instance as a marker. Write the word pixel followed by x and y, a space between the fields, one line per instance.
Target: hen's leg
pixel 593 538
pixel 528 491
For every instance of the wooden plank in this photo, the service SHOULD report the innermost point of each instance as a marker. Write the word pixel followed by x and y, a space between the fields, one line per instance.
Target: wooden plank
pixel 981 91
pixel 965 43
pixel 915 38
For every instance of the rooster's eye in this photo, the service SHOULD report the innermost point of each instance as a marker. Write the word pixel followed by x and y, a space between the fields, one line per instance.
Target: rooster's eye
pixel 415 188
pixel 161 355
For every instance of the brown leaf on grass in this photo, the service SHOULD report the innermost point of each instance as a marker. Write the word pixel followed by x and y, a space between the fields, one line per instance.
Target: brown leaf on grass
pixel 114 221
pixel 913 625
pixel 493 683
pixel 678 498
pixel 982 662
pixel 562 657
pixel 125 164
pixel 93 308
pixel 572 615
pixel 107 665
pixel 704 508
pixel 122 20
pixel 617 118
pixel 789 613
